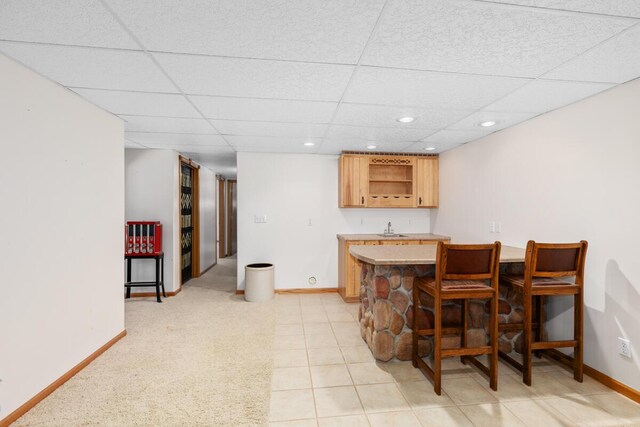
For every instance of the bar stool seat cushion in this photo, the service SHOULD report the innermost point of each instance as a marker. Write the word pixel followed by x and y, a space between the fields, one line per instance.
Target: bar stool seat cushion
pixel 456 285
pixel 535 281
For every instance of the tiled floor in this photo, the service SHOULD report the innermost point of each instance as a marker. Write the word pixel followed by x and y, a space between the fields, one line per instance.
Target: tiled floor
pixel 325 376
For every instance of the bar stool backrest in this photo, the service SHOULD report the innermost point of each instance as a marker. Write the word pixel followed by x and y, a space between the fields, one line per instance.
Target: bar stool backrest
pixel 467 262
pixel 555 260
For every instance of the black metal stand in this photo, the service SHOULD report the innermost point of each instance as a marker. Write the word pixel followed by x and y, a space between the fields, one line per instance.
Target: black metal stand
pixel 159 282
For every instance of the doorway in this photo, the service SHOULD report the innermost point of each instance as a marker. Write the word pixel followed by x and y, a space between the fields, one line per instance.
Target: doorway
pixel 227 217
pixel 189 221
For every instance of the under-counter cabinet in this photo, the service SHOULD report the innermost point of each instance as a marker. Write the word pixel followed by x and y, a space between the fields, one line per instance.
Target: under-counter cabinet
pixel 349 269
pixel 388 181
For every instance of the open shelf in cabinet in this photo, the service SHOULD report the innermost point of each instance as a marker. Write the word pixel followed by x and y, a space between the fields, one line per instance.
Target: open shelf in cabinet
pixel 391 181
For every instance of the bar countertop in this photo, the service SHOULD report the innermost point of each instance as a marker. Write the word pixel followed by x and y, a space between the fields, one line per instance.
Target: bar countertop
pixel 401 236
pixel 417 254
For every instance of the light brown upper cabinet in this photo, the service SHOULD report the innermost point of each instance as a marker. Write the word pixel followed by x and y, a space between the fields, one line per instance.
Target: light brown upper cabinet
pixel 427 182
pixel 354 171
pixel 388 181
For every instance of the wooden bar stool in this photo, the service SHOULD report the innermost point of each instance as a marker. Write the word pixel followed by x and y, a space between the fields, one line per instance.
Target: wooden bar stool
pixel 546 266
pixel 462 272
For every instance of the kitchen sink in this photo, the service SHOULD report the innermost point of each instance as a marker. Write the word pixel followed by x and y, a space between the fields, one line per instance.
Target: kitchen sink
pixel 392 235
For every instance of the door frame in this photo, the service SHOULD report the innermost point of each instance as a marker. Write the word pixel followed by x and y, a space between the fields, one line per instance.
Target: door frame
pixel 222 217
pixel 231 183
pixel 195 216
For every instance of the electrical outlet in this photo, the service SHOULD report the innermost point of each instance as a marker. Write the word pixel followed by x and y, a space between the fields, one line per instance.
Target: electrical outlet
pixel 498 227
pixel 624 347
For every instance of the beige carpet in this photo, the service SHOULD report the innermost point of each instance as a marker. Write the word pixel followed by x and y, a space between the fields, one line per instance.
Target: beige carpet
pixel 201 358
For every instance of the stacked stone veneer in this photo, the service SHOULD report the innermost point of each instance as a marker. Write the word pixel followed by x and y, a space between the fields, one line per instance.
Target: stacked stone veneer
pixel 386 313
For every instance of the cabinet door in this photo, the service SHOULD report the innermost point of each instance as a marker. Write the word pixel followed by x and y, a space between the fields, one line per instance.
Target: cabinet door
pixel 391 242
pixel 411 242
pixel 427 182
pixel 353 181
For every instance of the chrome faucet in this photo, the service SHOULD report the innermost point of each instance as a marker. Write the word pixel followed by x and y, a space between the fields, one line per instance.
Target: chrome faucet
pixel 389 230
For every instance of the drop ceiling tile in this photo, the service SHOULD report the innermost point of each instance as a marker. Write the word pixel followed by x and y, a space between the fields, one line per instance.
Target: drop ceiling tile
pixel 333 146
pixel 174 139
pixel 270 110
pixel 330 149
pixel 271 142
pixel 220 159
pixel 502 119
pixel 396 134
pixel 420 147
pixel 215 151
pixel 166 124
pixel 207 75
pixel 483 38
pixel 545 95
pixel 448 136
pixel 80 23
pixel 385 116
pixel 228 170
pixel 607 7
pixel 374 85
pixel 616 60
pixel 139 103
pixel 286 130
pixel 91 68
pixel 305 30
pixel 293 149
pixel 133 145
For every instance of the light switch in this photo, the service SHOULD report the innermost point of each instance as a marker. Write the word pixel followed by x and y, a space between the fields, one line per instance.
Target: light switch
pixel 260 219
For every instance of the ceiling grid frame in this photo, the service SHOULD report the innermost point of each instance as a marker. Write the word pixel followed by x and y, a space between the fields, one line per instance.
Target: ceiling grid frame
pixel 154 60
pixel 288 125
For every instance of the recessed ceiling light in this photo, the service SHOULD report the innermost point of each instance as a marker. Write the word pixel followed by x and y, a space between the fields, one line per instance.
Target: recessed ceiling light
pixel 372 147
pixel 405 119
pixel 309 144
pixel 488 123
pixel 430 148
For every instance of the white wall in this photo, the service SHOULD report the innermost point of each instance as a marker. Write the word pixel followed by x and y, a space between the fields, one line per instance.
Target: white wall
pixel 208 201
pixel 152 194
pixel 568 175
pixel 291 189
pixel 62 193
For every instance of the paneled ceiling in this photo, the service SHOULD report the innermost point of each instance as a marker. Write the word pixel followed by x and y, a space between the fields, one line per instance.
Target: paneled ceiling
pixel 210 78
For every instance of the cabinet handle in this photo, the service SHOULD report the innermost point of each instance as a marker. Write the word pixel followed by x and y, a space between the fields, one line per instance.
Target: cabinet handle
pixel 363 200
pixel 419 200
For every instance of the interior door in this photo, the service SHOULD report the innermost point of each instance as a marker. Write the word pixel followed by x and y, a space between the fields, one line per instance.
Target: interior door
pixel 232 241
pixel 222 219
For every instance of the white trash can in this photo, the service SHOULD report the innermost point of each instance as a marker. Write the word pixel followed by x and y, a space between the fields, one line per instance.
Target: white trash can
pixel 259 282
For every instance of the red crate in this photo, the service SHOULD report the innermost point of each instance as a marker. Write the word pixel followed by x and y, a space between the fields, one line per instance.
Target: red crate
pixel 143 238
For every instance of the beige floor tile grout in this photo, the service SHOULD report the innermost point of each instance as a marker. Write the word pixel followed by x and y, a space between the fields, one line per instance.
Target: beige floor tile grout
pixel 327 310
pixel 313 395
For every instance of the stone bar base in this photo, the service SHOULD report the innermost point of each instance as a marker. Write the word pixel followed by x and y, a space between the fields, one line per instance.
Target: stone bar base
pixel 386 313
